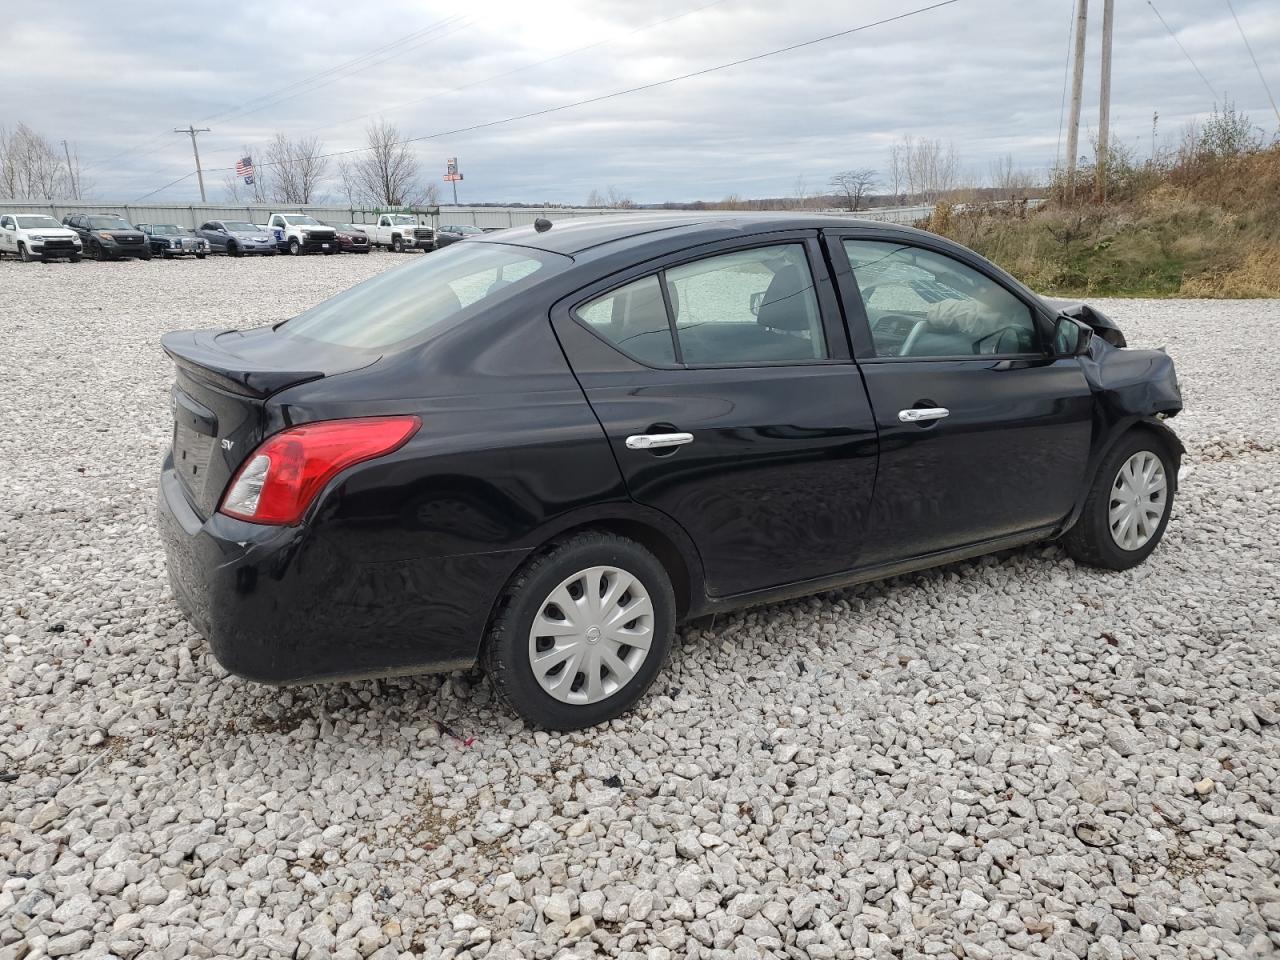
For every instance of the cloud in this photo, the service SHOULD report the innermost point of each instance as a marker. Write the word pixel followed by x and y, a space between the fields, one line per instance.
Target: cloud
pixel 986 75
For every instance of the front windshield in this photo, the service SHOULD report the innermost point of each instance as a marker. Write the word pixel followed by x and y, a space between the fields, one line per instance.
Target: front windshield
pixel 469 229
pixel 406 302
pixel 38 222
pixel 303 221
pixel 240 226
pixel 403 219
pixel 109 223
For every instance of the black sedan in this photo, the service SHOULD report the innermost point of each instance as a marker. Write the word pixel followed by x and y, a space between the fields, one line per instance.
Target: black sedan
pixel 544 448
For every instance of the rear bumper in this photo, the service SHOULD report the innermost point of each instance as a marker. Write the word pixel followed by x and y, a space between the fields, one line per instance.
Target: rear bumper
pixel 286 605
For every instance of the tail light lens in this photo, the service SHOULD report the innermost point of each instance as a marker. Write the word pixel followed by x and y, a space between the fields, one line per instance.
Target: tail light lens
pixel 281 478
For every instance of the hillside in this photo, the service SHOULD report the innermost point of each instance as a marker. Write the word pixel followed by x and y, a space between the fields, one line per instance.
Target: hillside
pixel 1204 226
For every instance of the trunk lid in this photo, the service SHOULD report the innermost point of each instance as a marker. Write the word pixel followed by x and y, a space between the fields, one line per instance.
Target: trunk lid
pixel 220 393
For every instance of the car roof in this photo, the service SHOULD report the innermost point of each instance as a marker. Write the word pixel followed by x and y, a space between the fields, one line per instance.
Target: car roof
pixel 608 233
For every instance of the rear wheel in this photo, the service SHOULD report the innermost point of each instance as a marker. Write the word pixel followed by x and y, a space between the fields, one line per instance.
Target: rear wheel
pixel 581 632
pixel 1128 506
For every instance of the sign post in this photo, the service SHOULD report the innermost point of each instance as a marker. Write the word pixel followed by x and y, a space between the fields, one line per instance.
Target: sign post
pixel 451 175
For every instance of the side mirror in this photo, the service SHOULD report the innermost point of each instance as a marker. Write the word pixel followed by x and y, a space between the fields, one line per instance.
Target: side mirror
pixel 753 304
pixel 1071 337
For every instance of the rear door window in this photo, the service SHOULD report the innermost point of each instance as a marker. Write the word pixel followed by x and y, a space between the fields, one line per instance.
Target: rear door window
pixel 406 303
pixel 634 319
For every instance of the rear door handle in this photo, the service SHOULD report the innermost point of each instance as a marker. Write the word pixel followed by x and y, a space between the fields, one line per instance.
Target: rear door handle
pixel 653 441
pixel 917 414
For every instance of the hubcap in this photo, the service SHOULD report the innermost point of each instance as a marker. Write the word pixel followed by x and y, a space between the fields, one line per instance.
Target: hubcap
pixel 1138 498
pixel 591 635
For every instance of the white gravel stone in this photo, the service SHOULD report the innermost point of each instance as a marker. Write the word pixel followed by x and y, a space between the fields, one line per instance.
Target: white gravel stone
pixel 905 768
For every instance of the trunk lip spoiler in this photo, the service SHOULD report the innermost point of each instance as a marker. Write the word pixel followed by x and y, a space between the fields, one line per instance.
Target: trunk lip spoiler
pixel 224 370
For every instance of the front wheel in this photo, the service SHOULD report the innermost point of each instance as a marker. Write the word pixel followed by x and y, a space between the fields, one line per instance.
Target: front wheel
pixel 581 631
pixel 397 244
pixel 295 248
pixel 233 250
pixel 201 256
pixel 74 258
pixel 1128 506
pixel 25 253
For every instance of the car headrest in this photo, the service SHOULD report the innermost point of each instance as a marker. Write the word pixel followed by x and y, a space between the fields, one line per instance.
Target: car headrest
pixel 784 306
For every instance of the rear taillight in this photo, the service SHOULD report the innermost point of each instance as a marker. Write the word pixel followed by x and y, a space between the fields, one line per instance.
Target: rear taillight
pixel 281 478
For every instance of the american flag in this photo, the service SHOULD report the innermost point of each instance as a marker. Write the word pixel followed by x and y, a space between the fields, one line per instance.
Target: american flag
pixel 244 168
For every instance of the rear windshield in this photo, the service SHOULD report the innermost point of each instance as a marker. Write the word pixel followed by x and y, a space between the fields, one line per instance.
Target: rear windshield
pixel 166 228
pixel 406 302
pixel 109 223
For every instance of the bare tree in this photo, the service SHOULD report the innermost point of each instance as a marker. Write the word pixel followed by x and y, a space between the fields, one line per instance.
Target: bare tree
pixel 294 169
pixel 31 168
pixel 800 190
pixel 618 200
pixel 1008 178
pixel 854 185
pixel 929 168
pixel 596 199
pixel 387 173
pixel 897 169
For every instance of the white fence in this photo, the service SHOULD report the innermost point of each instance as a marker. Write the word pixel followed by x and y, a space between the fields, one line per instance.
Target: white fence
pixel 194 214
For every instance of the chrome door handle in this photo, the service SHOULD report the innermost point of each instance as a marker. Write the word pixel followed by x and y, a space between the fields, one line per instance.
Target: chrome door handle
pixel 652 441
pixel 917 414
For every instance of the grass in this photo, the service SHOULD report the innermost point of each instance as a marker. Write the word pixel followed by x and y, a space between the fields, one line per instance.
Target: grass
pixel 1202 228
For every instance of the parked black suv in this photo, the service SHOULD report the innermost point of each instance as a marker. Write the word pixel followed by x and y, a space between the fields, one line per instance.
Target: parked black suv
pixel 108 236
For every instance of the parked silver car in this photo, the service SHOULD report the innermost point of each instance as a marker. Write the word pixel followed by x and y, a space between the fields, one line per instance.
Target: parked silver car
pixel 237 237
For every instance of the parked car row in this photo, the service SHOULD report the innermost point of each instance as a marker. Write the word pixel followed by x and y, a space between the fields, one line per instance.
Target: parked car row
pixel 111 237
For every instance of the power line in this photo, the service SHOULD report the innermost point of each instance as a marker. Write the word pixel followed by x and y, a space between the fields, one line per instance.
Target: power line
pixel 327 74
pixel 1184 51
pixel 515 70
pixel 1255 61
pixel 171 183
pixel 640 88
pixel 1066 73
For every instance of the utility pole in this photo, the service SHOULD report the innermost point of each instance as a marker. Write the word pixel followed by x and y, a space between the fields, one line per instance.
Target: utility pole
pixel 1104 101
pixel 1077 90
pixel 192 131
pixel 71 173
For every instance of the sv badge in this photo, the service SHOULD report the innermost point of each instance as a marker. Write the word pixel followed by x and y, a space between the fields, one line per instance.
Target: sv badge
pixel 227 444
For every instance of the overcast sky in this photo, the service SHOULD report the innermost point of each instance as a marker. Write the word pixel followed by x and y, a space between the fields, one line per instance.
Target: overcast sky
pixel 114 78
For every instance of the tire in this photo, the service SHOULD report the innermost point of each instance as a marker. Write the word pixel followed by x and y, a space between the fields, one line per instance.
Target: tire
pixel 164 255
pixel 233 250
pixel 397 244
pixel 24 253
pixel 1092 540
pixel 97 252
pixel 295 248
pixel 201 256
pixel 145 256
pixel 74 258
pixel 509 644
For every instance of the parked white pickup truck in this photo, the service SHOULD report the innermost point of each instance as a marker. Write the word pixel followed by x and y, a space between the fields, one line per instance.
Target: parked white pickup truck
pixel 37 236
pixel 298 233
pixel 401 232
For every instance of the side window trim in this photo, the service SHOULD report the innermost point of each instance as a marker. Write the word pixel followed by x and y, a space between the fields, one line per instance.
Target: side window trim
pixel 829 310
pixel 859 325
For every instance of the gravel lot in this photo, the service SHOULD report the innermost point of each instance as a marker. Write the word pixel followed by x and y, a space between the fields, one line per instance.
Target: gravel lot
pixel 1009 757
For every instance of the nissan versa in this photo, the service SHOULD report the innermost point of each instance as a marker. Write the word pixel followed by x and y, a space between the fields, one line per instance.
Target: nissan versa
pixel 544 448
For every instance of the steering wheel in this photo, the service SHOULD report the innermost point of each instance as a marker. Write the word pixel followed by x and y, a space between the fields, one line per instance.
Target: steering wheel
pixel 1005 340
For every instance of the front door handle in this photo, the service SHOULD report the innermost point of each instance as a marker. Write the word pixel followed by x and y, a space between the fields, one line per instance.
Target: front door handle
pixel 917 414
pixel 654 441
